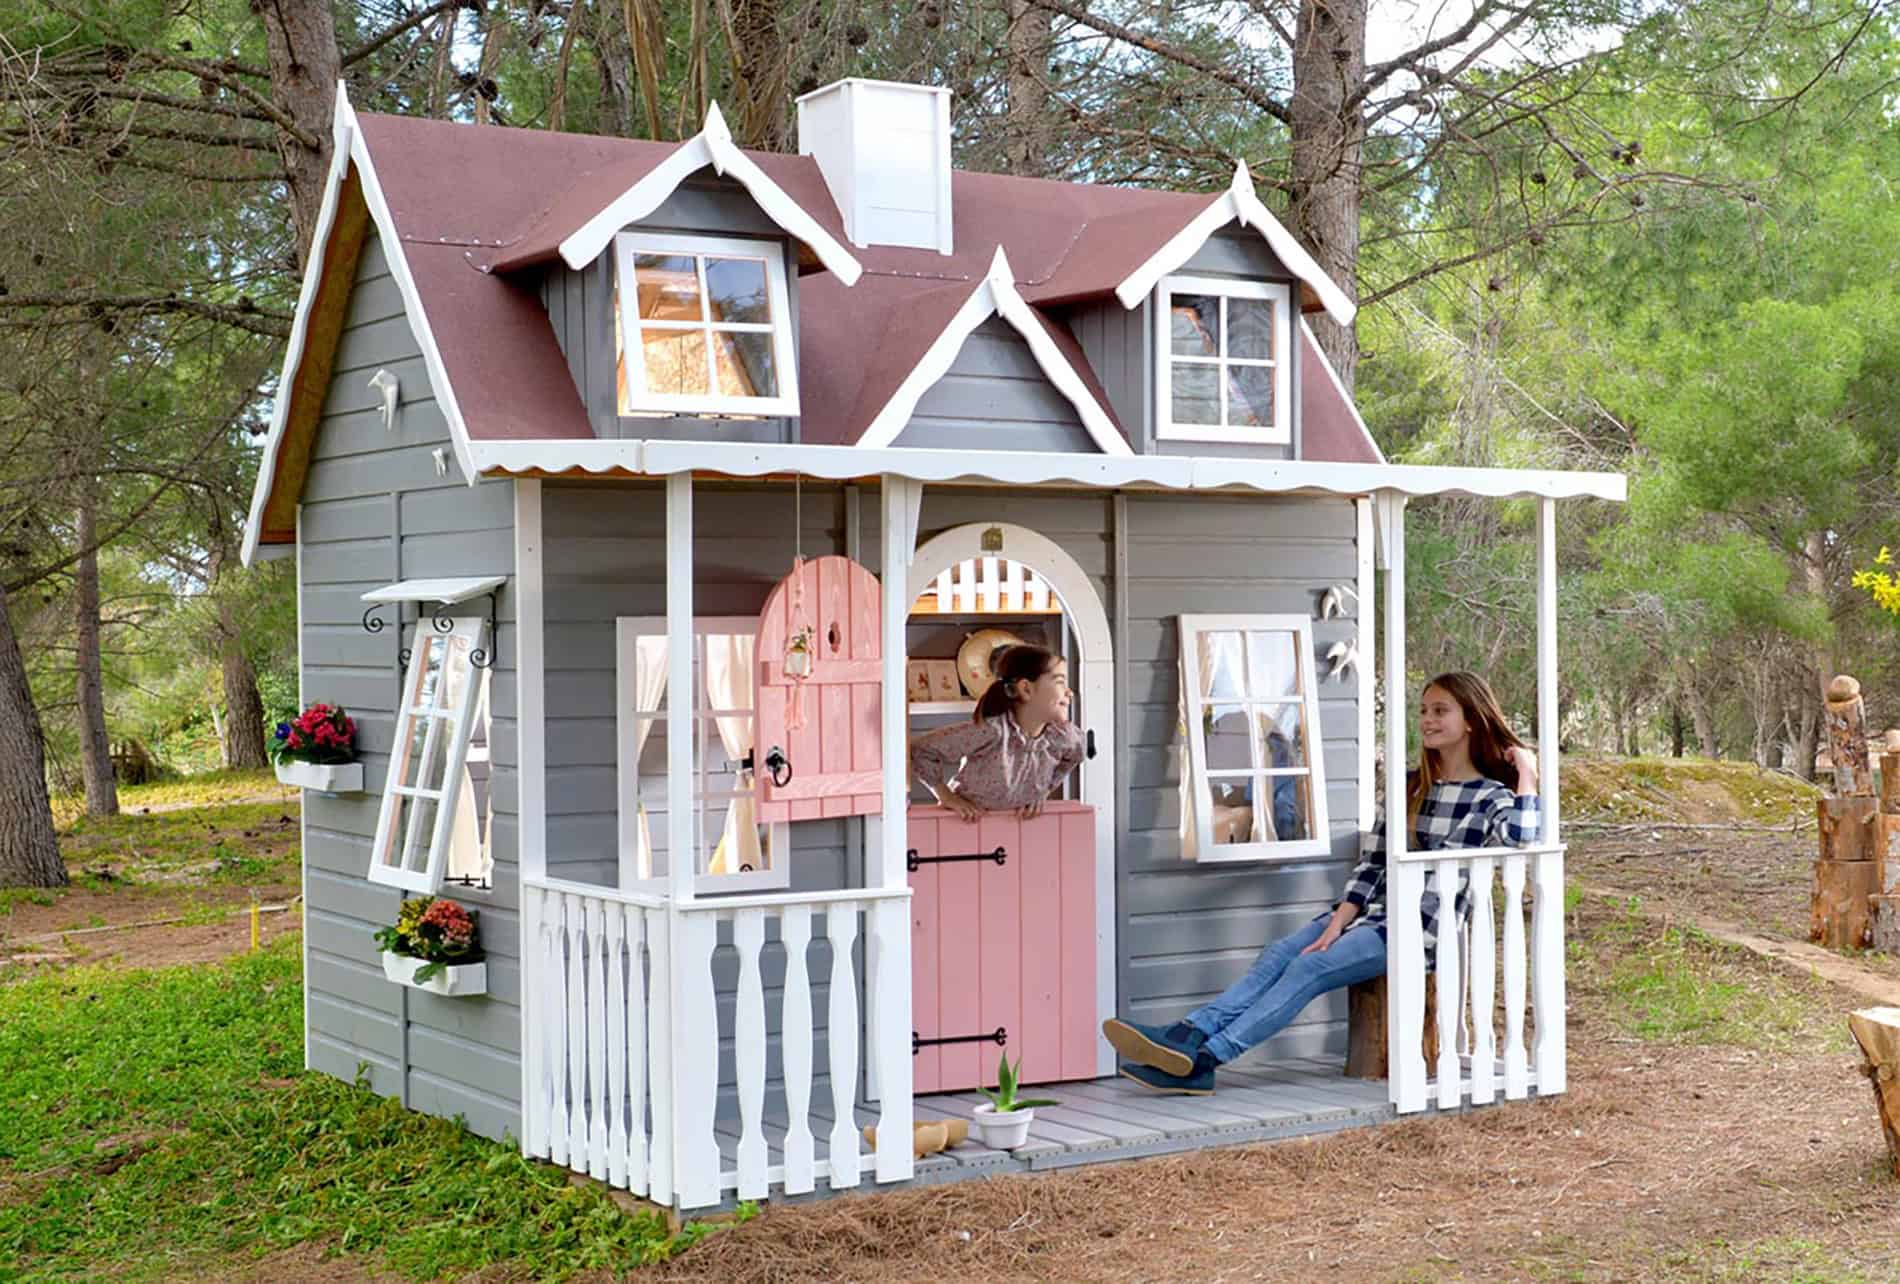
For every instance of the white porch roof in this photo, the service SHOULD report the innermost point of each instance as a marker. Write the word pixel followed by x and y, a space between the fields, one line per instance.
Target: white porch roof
pixel 1036 468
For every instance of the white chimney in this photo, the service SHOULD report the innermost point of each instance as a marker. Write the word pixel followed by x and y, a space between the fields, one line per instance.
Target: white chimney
pixel 884 149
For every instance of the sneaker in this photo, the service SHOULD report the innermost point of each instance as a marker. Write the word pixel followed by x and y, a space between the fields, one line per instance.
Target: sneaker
pixel 1199 1082
pixel 1169 1049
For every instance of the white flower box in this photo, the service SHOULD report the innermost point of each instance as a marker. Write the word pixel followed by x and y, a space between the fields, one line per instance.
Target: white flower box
pixel 331 778
pixel 455 980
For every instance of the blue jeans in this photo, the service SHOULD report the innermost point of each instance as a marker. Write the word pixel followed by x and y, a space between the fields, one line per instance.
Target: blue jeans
pixel 1282 981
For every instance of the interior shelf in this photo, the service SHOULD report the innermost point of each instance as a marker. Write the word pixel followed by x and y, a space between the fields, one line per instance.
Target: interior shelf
pixel 965 707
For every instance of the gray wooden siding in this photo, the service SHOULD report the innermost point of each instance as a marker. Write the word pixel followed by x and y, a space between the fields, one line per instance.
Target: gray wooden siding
pixel 996 397
pixel 1119 343
pixel 374 511
pixel 580 308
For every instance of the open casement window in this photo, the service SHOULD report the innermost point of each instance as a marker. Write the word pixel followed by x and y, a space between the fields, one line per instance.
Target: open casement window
pixel 471 853
pixel 428 777
pixel 702 326
pixel 733 851
pixel 1222 361
pixel 1254 787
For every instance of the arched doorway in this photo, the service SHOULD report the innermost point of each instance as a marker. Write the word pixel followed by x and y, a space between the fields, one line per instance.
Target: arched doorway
pixel 1094 683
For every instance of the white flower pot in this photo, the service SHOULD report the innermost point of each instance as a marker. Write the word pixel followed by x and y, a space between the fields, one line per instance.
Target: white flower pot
pixel 331 778
pixel 1003 1130
pixel 456 979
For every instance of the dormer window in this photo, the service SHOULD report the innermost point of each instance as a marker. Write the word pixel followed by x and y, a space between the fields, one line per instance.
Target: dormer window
pixel 707 325
pixel 1222 356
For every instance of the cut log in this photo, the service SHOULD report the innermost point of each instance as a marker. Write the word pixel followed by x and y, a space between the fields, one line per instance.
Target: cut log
pixel 1877 1030
pixel 1366 1012
pixel 1847 738
pixel 1848 828
pixel 1844 891
pixel 1890 783
pixel 1886 925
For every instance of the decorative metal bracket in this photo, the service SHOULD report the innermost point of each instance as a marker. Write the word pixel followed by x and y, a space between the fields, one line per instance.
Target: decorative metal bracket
pixel 441 622
pixel 912 860
pixel 999 1036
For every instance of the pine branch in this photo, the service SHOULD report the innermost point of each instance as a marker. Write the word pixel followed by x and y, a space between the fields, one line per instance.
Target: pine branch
pixel 410 23
pixel 1172 53
pixel 274 325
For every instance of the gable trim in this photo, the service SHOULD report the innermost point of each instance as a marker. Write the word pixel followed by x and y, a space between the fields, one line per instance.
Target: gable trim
pixel 712 146
pixel 995 295
pixel 1238 204
pixel 350 149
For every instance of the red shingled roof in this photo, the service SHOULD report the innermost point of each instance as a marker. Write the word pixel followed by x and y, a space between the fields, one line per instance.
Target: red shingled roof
pixel 473 204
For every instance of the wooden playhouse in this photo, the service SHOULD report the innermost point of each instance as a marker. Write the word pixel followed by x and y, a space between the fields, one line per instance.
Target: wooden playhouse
pixel 644 496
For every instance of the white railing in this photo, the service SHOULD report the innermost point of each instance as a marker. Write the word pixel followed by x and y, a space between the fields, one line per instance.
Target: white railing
pixel 621 1089
pixel 991 585
pixel 1472 1063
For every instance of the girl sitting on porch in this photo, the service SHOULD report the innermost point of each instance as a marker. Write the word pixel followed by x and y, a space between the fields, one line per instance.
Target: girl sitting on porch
pixel 1456 798
pixel 1017 747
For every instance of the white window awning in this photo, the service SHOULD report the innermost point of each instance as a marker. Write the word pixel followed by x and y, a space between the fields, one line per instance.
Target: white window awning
pixel 447 591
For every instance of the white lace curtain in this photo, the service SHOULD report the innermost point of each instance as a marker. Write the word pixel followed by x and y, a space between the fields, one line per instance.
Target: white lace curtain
pixel 729 685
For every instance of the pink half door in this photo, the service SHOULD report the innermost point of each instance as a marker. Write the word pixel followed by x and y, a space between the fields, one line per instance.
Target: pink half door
pixel 1002 945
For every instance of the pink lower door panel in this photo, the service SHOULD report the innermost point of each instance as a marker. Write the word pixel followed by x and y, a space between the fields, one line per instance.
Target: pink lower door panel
pixel 1002 938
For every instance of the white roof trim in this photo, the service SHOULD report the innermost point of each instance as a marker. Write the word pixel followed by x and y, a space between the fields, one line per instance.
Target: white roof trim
pixel 1238 204
pixel 1340 388
pixel 713 146
pixel 1041 468
pixel 445 591
pixel 995 295
pixel 341 126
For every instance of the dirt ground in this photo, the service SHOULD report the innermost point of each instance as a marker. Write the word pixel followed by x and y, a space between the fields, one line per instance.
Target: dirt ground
pixel 1661 1162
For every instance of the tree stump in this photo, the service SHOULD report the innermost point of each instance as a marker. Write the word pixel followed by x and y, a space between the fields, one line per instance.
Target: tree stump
pixel 1848 873
pixel 1366 1014
pixel 1847 738
pixel 1877 1030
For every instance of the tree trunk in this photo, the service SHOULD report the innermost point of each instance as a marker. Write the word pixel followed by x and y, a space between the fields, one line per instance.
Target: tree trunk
pixel 243 707
pixel 29 850
pixel 759 60
pixel 1678 729
pixel 95 745
pixel 1328 135
pixel 1807 732
pixel 1702 711
pixel 1025 145
pixel 304 67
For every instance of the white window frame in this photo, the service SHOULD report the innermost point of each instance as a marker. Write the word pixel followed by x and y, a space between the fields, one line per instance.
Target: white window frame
pixel 784 359
pixel 628 630
pixel 1198 800
pixel 1280 431
pixel 455 722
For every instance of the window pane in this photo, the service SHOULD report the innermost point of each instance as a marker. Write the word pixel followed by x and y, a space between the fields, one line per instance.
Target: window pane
pixel 405 845
pixel 1228 747
pixel 1291 815
pixel 735 290
pixel 1219 656
pixel 1194 397
pixel 1273 666
pixel 1250 396
pixel 669 287
pixel 676 361
pixel 1195 323
pixel 1250 329
pixel 1282 732
pixel 745 365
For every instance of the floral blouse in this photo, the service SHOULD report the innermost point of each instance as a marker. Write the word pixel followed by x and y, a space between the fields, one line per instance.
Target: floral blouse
pixel 994 765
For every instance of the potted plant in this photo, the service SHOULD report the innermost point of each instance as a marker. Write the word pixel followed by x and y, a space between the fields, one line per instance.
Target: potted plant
pixel 317 750
pixel 1003 1124
pixel 433 946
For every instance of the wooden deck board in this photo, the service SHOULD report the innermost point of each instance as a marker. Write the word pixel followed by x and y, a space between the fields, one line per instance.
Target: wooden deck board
pixel 1111 1119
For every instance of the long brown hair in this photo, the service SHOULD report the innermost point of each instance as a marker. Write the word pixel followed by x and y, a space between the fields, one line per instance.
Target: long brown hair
pixel 1491 736
pixel 1016 662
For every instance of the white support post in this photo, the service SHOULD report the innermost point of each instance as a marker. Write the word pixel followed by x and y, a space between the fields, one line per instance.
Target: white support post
pixel 1405 880
pixel 888 925
pixel 681 847
pixel 1547 923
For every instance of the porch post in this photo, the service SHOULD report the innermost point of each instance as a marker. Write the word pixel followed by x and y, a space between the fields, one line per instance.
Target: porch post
pixel 1404 880
pixel 691 1021
pixel 889 992
pixel 1547 921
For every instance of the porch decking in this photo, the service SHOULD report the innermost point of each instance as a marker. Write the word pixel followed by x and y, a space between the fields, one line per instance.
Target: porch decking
pixel 1104 1120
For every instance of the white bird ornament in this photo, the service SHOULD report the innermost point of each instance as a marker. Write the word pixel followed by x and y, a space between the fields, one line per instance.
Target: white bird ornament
pixel 390 387
pixel 1333 601
pixel 1342 655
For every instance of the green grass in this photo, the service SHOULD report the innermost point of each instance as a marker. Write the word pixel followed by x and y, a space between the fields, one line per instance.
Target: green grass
pixel 1676 985
pixel 249 843
pixel 158 1123
pixel 203 789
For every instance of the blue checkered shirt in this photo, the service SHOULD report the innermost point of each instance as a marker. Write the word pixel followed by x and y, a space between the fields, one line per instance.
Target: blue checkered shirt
pixel 1455 813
